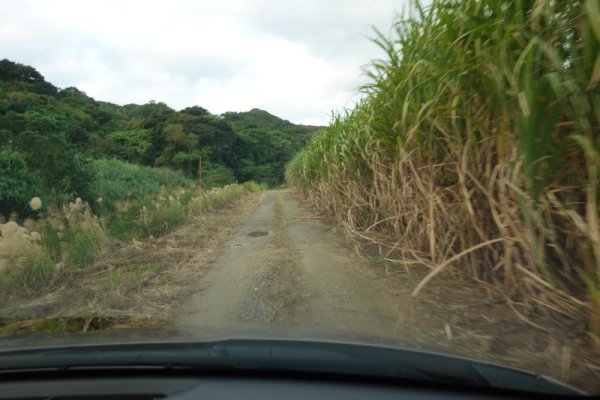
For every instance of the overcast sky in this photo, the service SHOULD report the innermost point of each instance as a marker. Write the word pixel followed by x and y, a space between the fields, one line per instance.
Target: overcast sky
pixel 296 59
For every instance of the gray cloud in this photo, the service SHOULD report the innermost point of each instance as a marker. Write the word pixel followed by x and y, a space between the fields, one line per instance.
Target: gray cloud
pixel 297 59
pixel 334 29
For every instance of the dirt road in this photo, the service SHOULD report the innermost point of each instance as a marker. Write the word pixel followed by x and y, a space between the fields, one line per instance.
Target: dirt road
pixel 287 271
pixel 285 268
pixel 270 263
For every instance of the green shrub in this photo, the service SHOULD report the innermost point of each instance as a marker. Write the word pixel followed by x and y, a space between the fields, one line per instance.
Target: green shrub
pixel 217 175
pixel 17 184
pixel 116 180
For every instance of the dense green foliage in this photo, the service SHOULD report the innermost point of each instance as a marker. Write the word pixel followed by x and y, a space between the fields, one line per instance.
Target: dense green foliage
pixel 270 143
pixel 477 143
pixel 58 143
pixel 121 181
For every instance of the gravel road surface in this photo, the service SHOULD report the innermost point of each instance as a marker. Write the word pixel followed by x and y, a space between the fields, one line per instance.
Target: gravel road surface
pixel 286 268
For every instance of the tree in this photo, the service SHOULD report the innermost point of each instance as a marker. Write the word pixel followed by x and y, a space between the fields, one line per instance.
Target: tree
pixel 11 71
pixel 180 149
pixel 196 111
pixel 132 145
pixel 216 175
pixel 17 184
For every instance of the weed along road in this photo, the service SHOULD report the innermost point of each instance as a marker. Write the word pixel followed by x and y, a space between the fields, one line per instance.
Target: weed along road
pixel 285 268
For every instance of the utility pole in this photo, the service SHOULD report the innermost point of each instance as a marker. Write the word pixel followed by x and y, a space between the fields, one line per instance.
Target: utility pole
pixel 200 172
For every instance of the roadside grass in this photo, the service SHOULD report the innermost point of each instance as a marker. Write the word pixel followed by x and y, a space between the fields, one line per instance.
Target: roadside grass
pixel 135 284
pixel 24 265
pixel 120 282
pixel 31 273
pixel 476 147
pixel 52 250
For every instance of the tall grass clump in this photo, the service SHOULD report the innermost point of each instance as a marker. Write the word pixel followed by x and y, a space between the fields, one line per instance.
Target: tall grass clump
pixel 81 232
pixel 477 145
pixel 24 266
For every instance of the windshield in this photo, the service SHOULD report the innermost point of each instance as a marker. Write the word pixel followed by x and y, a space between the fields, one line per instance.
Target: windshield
pixel 423 175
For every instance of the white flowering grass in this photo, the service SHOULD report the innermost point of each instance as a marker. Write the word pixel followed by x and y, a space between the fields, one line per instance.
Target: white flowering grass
pixel 35 204
pixel 84 235
pixel 24 265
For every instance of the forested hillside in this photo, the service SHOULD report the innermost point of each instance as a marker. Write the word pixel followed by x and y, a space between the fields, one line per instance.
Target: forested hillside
pixel 59 144
pixel 270 143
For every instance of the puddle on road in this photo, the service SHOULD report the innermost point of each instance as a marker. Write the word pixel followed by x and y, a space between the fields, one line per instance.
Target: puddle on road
pixel 257 233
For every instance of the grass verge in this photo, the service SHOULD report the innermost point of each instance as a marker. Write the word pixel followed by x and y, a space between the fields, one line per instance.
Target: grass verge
pixel 72 239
